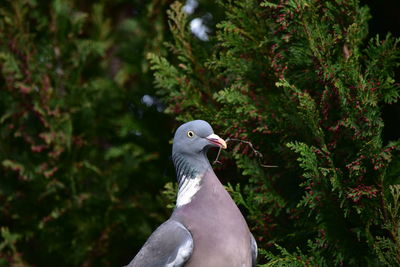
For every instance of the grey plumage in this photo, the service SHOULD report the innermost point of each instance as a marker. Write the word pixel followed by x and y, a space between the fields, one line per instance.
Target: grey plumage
pixel 171 244
pixel 254 250
pixel 206 228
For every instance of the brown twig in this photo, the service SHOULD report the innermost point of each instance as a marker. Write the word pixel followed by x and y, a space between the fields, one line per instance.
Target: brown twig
pixel 258 154
pixel 216 158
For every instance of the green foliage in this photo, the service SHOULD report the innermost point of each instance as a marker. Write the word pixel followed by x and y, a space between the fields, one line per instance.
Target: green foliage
pixel 169 194
pixel 300 82
pixel 387 248
pixel 296 258
pixel 76 152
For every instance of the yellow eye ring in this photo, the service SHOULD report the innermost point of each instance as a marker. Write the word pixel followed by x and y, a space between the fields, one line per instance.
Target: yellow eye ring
pixel 190 134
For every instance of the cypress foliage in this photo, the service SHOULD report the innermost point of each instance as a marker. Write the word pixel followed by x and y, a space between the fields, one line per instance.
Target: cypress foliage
pixel 299 83
pixel 77 151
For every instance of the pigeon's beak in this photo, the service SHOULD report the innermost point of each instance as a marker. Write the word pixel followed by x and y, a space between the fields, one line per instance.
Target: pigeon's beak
pixel 216 140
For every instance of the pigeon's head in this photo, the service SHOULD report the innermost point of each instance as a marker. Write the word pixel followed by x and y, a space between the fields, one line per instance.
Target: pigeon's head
pixel 195 138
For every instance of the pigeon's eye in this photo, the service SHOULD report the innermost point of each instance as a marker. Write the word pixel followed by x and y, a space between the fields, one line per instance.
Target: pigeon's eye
pixel 190 134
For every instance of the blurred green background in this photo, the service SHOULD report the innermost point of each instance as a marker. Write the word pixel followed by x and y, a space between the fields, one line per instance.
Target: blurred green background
pixel 83 157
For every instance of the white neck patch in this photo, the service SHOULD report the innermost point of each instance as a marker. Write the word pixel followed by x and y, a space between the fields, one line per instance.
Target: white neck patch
pixel 187 190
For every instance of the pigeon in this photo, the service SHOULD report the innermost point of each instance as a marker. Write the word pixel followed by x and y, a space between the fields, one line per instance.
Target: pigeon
pixel 206 228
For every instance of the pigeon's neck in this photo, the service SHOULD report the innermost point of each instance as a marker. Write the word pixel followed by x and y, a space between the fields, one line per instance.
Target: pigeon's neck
pixel 189 172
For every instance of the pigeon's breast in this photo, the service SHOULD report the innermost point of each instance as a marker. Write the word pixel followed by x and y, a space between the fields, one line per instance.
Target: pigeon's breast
pixel 220 233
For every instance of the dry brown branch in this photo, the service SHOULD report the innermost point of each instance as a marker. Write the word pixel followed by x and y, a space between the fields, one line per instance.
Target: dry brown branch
pixel 258 154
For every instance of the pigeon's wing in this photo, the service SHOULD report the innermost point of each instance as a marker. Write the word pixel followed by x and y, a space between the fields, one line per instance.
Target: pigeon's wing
pixel 170 245
pixel 254 249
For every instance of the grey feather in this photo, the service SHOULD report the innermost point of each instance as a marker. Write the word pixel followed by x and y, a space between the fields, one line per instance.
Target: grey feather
pixel 254 250
pixel 170 245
